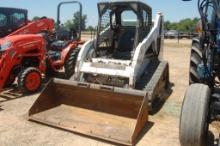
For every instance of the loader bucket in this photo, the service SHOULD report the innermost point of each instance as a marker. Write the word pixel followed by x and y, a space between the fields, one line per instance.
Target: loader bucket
pixel 113 114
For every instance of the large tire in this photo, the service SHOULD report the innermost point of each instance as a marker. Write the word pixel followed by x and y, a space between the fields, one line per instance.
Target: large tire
pixel 194 116
pixel 70 62
pixel 50 72
pixel 195 60
pixel 29 80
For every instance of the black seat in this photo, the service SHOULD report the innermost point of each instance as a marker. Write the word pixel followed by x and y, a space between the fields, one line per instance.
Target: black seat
pixel 58 45
pixel 63 34
pixel 125 44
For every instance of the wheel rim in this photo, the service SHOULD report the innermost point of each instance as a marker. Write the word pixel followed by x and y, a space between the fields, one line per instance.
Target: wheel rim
pixel 32 81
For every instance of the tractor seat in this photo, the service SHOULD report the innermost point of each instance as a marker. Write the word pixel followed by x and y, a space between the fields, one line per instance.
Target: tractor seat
pixel 125 45
pixel 126 41
pixel 59 45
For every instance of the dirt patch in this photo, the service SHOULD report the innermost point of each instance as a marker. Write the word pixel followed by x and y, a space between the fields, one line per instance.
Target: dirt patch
pixel 174 43
pixel 163 130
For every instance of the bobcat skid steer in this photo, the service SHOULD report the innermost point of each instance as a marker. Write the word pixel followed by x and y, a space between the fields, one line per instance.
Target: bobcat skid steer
pixel 118 76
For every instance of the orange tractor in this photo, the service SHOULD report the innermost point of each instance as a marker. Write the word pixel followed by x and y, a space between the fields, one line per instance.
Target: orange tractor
pixel 30 49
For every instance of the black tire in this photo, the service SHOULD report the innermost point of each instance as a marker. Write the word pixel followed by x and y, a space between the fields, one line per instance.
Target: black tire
pixel 22 77
pixel 194 116
pixel 195 60
pixel 49 70
pixel 70 62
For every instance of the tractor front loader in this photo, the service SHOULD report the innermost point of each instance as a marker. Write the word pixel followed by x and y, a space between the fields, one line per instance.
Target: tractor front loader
pixel 22 56
pixel 118 77
pixel 29 52
pixel 22 60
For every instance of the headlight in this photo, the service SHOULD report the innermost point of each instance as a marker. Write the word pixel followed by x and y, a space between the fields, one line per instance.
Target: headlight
pixel 6 45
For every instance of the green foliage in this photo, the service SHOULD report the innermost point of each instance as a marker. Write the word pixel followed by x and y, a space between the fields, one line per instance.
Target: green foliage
pixel 74 23
pixel 69 25
pixel 35 18
pixel 185 25
pixel 91 28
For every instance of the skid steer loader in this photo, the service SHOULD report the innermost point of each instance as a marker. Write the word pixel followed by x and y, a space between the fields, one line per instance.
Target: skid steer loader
pixel 118 76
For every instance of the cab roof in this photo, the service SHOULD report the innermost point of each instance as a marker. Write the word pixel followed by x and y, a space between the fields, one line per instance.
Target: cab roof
pixel 7 9
pixel 124 5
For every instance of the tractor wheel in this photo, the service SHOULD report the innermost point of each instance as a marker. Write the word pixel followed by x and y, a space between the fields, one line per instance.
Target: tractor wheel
pixel 195 60
pixel 194 116
pixel 70 63
pixel 29 80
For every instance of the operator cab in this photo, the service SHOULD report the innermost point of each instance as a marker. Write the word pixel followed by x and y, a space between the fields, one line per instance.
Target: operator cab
pixel 11 19
pixel 122 26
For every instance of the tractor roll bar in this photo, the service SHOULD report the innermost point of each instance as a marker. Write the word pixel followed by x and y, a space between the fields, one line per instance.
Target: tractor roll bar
pixel 80 11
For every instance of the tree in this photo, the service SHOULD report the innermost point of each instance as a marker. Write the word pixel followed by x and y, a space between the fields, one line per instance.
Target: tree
pixel 74 23
pixel 184 25
pixel 167 25
pixel 69 25
pixel 91 28
pixel 35 18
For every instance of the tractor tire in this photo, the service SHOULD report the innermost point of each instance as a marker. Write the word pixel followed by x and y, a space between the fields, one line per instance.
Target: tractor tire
pixel 49 70
pixel 195 60
pixel 70 63
pixel 194 116
pixel 29 80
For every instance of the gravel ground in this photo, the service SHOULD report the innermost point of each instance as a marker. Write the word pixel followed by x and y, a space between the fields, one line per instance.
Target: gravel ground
pixel 16 130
